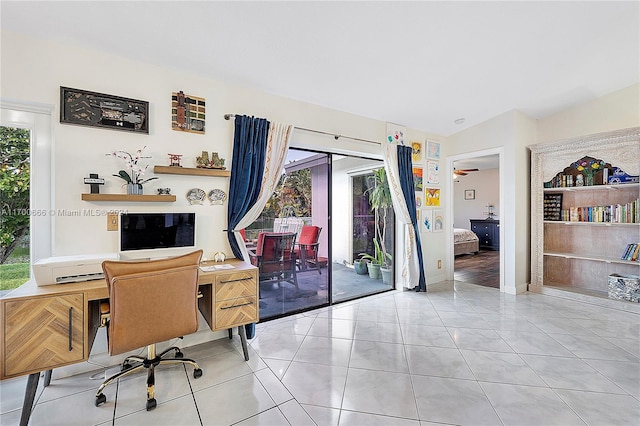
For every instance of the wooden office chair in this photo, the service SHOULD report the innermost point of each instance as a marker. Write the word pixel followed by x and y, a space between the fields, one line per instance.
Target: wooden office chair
pixel 275 257
pixel 307 250
pixel 149 302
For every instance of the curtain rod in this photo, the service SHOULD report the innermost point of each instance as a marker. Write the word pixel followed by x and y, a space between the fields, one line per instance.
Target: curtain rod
pixel 336 137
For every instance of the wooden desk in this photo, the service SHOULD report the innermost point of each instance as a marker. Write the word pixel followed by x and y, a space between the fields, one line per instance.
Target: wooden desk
pixel 52 326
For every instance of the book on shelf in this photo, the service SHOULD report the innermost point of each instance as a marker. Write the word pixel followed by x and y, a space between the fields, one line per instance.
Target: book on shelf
pixel 615 213
pixel 631 252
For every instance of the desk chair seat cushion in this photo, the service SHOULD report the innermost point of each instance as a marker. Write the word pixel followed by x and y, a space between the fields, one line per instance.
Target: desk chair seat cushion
pixel 151 301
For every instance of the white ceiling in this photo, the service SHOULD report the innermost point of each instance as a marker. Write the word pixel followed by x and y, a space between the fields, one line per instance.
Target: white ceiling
pixel 420 64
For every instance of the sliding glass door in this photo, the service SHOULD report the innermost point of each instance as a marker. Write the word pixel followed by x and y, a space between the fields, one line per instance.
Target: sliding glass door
pixel 358 229
pixel 324 200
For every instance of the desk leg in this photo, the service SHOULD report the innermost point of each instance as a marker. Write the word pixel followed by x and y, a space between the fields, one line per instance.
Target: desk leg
pixel 243 340
pixel 29 396
pixel 47 378
pixel 230 333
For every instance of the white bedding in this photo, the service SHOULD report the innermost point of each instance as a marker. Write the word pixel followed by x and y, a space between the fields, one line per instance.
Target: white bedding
pixel 461 235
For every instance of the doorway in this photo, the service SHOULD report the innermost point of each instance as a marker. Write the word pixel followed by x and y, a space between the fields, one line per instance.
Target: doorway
pixel 476 207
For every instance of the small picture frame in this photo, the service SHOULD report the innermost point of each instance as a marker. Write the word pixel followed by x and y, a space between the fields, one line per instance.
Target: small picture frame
pixel 427 223
pixel 84 108
pixel 433 169
pixel 416 151
pixel 438 220
pixel 417 179
pixel 433 150
pixel 469 194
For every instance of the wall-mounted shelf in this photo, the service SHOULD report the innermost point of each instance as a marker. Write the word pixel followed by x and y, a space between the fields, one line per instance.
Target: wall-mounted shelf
pixel 172 170
pixel 126 197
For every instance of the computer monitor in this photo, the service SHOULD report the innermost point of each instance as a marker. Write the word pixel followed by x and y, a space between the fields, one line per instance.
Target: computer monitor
pixel 156 235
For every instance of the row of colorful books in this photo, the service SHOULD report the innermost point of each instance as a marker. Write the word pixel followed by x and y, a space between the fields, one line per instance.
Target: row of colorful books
pixel 618 213
pixel 631 252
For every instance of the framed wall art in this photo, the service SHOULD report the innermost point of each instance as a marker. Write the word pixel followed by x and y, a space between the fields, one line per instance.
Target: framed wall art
pixel 427 223
pixel 433 169
pixel 395 133
pixel 417 179
pixel 469 194
pixel 438 220
pixel 432 197
pixel 92 109
pixel 416 151
pixel 433 150
pixel 188 113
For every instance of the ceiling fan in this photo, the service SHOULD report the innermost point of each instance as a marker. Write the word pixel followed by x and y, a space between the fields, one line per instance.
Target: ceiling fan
pixel 463 172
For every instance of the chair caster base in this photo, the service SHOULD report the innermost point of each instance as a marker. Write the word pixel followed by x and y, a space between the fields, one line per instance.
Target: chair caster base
pixel 151 404
pixel 178 354
pixel 197 373
pixel 100 399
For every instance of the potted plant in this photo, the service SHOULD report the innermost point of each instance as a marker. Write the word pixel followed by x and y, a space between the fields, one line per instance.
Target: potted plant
pixel 360 266
pixel 380 200
pixel 375 262
pixel 132 177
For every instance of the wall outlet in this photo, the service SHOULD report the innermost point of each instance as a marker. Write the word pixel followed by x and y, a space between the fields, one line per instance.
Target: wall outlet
pixel 112 222
pixel 439 264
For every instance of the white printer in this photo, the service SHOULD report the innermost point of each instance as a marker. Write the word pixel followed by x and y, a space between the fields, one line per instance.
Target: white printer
pixel 70 269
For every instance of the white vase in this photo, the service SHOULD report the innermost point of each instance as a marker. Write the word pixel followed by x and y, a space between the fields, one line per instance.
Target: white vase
pixel 134 189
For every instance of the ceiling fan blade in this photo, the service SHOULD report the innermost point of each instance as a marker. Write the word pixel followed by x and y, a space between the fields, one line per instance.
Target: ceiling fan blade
pixel 469 170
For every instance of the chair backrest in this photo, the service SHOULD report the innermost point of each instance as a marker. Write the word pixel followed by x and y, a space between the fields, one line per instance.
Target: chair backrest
pixel 288 224
pixel 275 246
pixel 151 301
pixel 309 234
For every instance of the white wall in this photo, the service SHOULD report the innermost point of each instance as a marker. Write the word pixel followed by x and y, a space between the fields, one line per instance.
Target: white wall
pixel 617 110
pixel 34 69
pixel 510 132
pixel 486 184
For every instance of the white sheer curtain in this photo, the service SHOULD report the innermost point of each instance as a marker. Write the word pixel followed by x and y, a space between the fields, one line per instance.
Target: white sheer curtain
pixel 409 275
pixel 277 146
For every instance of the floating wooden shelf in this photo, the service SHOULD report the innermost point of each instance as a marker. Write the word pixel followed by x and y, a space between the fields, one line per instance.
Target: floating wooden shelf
pixel 126 197
pixel 172 170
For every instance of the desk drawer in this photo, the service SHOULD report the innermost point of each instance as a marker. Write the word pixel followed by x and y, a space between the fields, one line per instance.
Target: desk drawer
pixel 42 333
pixel 237 284
pixel 230 313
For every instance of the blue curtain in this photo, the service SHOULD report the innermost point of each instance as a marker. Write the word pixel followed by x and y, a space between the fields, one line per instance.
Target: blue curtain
pixel 405 171
pixel 247 169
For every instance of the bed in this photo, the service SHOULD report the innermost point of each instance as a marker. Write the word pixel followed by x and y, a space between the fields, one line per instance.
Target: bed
pixel 465 241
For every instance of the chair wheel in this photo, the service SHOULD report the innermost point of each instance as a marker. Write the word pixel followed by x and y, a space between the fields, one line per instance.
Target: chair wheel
pixel 101 399
pixel 197 373
pixel 125 366
pixel 179 355
pixel 151 404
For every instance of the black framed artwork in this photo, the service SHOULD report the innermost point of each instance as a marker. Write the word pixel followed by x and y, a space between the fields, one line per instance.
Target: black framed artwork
pixel 469 194
pixel 84 108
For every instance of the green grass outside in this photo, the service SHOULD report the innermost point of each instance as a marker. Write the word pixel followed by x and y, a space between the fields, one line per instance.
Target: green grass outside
pixel 15 271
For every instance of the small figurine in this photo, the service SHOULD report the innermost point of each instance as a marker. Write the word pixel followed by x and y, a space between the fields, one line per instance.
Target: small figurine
pixel 164 191
pixel 203 160
pixel 215 163
pixel 579 180
pixel 174 160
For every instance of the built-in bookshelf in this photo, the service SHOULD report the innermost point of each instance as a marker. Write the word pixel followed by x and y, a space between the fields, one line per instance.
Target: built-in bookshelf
pixel 580 228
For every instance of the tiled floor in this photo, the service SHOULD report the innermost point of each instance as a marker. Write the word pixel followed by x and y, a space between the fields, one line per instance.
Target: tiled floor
pixel 467 355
